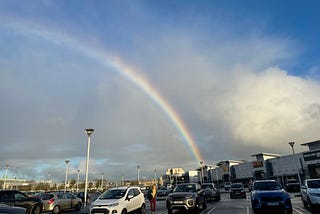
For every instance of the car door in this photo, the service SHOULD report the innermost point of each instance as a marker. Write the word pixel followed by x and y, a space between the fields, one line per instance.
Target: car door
pixel 7 197
pixel 62 201
pixel 71 200
pixel 130 200
pixel 21 200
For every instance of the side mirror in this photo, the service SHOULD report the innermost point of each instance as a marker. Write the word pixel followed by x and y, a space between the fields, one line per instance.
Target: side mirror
pixel 130 197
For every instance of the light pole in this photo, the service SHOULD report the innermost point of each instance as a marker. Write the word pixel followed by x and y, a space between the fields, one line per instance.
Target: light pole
pixel 155 176
pixel 78 180
pixel 138 174
pixel 88 132
pixel 102 181
pixel 293 152
pixel 66 180
pixel 5 178
pixel 292 146
pixel 201 165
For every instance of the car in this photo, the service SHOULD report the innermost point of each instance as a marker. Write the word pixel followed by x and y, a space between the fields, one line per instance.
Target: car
pixel 162 191
pixel 227 186
pixel 237 190
pixel 269 194
pixel 19 199
pixel 310 193
pixel 120 200
pixel 211 191
pixel 6 209
pixel 186 197
pixel 292 185
pixel 55 202
pixel 81 195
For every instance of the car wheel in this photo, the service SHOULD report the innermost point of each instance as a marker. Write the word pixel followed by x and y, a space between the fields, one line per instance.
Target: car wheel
pixel 78 206
pixel 36 209
pixel 143 209
pixel 305 204
pixel 124 211
pixel 56 209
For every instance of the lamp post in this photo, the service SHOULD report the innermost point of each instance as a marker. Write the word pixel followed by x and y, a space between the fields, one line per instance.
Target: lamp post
pixel 155 176
pixel 201 165
pixel 88 132
pixel 6 175
pixel 66 180
pixel 293 152
pixel 102 181
pixel 78 180
pixel 138 174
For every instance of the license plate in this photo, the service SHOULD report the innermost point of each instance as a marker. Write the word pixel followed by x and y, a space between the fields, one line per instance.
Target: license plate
pixel 273 203
pixel 178 202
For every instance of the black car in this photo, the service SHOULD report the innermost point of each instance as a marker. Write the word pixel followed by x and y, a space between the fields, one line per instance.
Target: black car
pixel 211 190
pixel 188 197
pixel 19 199
pixel 237 190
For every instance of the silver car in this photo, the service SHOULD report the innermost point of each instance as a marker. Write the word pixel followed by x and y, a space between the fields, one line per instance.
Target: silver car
pixel 55 202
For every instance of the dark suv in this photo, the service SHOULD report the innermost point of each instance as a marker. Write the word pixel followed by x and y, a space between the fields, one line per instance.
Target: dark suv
pixel 19 199
pixel 188 196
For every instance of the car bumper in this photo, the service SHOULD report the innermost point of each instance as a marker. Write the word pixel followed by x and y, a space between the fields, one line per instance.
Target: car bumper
pixel 188 204
pixel 315 200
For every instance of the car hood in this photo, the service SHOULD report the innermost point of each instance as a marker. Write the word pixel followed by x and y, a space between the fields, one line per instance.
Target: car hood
pixel 269 193
pixel 104 202
pixel 182 194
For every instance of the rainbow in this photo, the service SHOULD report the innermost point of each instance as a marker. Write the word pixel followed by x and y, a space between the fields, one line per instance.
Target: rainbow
pixel 115 62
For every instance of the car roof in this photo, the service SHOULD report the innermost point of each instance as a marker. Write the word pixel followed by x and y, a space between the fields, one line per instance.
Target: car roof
pixel 258 181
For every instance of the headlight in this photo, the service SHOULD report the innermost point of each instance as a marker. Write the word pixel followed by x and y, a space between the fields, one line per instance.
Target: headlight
pixel 113 205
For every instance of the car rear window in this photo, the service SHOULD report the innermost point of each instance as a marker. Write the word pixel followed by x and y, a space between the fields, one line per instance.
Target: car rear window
pixel 47 196
pixel 268 185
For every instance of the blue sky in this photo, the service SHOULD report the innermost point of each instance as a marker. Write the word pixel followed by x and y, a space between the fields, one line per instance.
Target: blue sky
pixel 242 75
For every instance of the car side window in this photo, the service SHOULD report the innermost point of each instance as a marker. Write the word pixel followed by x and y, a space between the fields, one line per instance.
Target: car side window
pixel 19 196
pixel 136 192
pixel 6 196
pixel 131 192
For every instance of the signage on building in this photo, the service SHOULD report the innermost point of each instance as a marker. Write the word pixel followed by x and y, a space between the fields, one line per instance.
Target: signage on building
pixel 257 164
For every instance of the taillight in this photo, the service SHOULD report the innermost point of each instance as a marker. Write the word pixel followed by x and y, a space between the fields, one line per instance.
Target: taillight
pixel 51 201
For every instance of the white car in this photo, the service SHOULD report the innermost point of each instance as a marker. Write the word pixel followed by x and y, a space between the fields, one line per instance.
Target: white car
pixel 120 200
pixel 310 193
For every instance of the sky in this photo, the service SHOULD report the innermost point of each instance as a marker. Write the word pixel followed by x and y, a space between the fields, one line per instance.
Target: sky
pixel 164 84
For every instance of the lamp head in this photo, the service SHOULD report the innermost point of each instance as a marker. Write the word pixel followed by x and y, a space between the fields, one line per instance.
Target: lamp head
pixel 89 131
pixel 67 162
pixel 291 144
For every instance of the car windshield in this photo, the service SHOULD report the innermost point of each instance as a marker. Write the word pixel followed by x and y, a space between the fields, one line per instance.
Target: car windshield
pixel 236 186
pixel 314 184
pixel 113 194
pixel 269 185
pixel 185 188
pixel 204 186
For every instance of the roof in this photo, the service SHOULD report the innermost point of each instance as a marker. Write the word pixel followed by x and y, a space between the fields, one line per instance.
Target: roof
pixel 313 142
pixel 268 154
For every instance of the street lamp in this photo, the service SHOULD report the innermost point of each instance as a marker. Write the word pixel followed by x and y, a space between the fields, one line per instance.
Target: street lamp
pixel 155 176
pixel 78 180
pixel 292 146
pixel 5 178
pixel 66 180
pixel 88 132
pixel 293 152
pixel 201 165
pixel 102 181
pixel 138 174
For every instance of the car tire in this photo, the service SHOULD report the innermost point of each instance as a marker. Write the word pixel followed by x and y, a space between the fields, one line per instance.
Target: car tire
pixel 36 209
pixel 78 206
pixel 56 210
pixel 143 209
pixel 124 211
